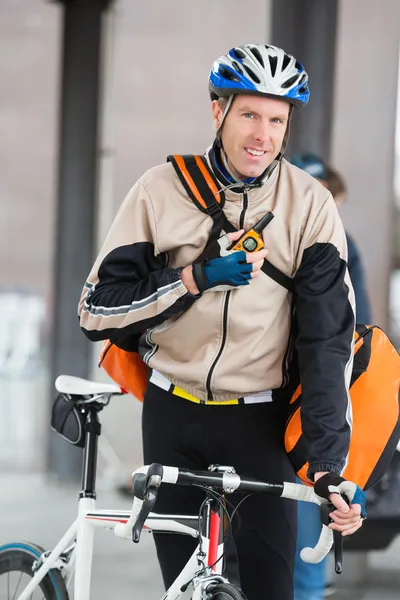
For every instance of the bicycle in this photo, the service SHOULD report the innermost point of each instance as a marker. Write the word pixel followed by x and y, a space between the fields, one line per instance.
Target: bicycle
pixel 203 576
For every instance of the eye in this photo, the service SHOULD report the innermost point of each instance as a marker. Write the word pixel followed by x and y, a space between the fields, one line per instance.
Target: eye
pixel 248 115
pixel 277 120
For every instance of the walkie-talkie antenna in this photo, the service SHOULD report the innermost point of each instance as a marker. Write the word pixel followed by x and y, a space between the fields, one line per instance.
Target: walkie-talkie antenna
pixel 262 223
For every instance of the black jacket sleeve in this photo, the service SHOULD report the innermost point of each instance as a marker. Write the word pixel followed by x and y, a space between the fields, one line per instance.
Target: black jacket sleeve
pixel 325 322
pixel 131 288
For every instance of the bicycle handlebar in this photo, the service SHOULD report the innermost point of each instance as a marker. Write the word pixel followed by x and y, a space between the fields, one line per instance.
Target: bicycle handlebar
pixel 148 479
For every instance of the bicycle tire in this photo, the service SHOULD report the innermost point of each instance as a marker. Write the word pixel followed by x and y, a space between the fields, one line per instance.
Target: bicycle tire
pixel 226 591
pixel 19 557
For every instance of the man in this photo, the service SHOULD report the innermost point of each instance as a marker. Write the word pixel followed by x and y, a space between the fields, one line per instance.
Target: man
pixel 310 580
pixel 216 333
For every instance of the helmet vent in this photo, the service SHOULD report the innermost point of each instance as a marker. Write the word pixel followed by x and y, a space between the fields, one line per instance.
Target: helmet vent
pixel 239 53
pixel 228 74
pixel 298 66
pixel 273 61
pixel 257 54
pixel 286 61
pixel 289 82
pixel 251 74
pixel 237 67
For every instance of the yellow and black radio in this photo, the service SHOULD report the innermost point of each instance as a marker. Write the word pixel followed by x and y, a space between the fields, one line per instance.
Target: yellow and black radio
pixel 252 241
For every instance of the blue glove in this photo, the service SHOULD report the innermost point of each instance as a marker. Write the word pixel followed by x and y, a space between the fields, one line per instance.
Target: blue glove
pixel 228 271
pixel 334 484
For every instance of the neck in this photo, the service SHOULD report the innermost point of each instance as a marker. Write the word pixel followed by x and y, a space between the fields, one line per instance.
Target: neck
pixel 223 172
pixel 232 173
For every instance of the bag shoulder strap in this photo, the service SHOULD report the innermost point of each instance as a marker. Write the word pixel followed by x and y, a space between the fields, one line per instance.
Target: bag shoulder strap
pixel 199 183
pixel 278 276
pixel 202 188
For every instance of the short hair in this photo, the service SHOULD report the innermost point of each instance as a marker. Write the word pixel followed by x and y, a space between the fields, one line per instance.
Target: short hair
pixel 335 182
pixel 222 101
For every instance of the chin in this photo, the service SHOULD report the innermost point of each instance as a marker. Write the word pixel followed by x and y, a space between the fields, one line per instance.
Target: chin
pixel 253 173
pixel 247 171
pixel 254 170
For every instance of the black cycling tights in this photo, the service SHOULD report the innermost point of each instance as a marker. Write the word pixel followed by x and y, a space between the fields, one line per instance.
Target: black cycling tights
pixel 249 437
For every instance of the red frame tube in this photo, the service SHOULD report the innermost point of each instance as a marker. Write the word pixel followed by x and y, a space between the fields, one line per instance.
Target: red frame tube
pixel 215 522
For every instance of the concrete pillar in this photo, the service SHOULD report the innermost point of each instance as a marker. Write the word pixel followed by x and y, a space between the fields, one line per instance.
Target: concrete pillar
pixel 77 190
pixel 307 29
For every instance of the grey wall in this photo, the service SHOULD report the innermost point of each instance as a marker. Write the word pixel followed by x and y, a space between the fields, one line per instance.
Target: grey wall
pixel 29 58
pixel 363 136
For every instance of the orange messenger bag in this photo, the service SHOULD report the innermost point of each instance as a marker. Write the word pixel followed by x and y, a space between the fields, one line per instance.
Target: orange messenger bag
pixel 374 394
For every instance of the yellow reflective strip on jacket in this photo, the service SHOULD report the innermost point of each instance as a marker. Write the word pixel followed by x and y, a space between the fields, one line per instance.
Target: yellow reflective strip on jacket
pixel 177 391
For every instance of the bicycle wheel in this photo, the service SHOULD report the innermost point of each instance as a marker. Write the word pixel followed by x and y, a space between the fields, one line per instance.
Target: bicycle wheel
pixel 16 571
pixel 226 591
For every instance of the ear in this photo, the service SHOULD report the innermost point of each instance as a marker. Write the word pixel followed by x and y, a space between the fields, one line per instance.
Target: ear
pixel 217 114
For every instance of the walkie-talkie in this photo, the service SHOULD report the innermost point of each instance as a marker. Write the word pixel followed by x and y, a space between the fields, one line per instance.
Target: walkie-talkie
pixel 252 241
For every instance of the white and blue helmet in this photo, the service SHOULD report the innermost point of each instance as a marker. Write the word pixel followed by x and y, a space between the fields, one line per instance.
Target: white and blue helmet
pixel 260 70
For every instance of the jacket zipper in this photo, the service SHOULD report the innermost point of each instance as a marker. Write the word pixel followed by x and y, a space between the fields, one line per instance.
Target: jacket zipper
pixel 245 205
pixel 223 342
pixel 226 306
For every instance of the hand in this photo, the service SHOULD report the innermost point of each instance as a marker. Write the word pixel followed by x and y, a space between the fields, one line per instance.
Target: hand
pixel 346 519
pixel 256 259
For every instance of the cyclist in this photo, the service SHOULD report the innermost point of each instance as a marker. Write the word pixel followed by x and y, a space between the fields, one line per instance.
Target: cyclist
pixel 216 333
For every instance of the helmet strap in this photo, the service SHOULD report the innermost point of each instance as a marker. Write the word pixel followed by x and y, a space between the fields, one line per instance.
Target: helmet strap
pixel 226 110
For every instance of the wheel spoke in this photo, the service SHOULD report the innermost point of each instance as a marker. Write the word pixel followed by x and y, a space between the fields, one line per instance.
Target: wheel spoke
pixel 16 572
pixel 19 581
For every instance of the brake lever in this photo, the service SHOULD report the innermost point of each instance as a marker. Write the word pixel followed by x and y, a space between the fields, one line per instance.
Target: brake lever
pixel 325 510
pixel 145 487
pixel 148 503
pixel 338 550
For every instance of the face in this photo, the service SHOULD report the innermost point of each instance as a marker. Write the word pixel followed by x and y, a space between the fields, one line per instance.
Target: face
pixel 252 132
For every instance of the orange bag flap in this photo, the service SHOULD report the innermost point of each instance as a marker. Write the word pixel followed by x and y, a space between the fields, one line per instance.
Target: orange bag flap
pixel 125 368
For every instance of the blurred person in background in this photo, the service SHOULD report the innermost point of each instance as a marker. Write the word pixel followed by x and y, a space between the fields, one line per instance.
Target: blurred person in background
pixel 335 183
pixel 215 331
pixel 337 187
pixel 311 580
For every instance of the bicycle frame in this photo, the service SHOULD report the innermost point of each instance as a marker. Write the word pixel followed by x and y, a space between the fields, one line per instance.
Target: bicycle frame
pixel 75 549
pixel 207 552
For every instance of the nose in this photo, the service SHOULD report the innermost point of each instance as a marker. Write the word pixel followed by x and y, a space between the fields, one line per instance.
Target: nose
pixel 262 131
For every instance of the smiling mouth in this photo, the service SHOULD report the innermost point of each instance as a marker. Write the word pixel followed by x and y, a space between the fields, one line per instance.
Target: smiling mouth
pixel 254 152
